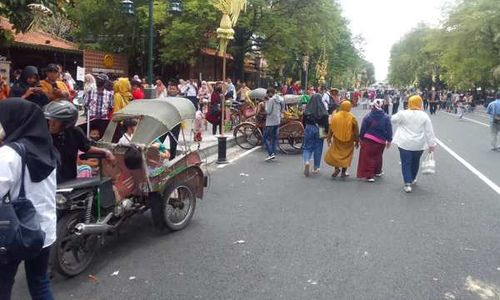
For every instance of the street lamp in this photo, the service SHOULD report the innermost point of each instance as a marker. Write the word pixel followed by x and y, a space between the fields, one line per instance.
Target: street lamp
pixel 175 8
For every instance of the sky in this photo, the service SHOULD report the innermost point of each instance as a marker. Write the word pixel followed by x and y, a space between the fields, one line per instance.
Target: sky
pixel 382 23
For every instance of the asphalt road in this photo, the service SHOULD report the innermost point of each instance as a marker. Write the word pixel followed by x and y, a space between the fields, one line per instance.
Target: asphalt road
pixel 318 238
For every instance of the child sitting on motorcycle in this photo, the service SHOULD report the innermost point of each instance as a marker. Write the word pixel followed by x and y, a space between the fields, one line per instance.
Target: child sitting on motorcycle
pixel 68 139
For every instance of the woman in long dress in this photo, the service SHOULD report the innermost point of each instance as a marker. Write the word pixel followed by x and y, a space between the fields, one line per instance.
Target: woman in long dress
pixel 375 135
pixel 342 138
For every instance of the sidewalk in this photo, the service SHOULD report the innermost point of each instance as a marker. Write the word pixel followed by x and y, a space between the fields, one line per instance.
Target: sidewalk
pixel 209 142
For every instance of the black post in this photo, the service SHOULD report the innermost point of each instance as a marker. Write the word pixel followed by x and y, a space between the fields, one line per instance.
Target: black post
pixel 222 146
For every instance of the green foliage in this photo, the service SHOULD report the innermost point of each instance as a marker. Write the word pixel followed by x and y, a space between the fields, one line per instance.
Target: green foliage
pixel 19 14
pixel 282 32
pixel 463 53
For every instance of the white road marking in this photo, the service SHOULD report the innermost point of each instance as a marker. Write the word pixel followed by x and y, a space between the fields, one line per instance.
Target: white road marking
pixel 468 119
pixel 471 168
pixel 239 156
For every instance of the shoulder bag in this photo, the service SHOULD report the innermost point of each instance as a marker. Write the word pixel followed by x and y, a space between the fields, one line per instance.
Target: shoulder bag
pixel 20 234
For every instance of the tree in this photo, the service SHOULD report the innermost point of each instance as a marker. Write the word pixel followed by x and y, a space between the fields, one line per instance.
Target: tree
pixel 464 53
pixel 22 13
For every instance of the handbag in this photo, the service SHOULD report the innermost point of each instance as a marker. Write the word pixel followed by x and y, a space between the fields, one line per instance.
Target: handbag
pixel 215 109
pixel 429 165
pixel 21 236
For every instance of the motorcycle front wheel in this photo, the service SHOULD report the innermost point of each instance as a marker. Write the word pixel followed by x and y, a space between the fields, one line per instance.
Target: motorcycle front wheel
pixel 179 202
pixel 71 254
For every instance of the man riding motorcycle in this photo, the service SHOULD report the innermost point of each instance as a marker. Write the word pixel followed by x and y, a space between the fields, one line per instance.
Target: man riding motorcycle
pixel 68 139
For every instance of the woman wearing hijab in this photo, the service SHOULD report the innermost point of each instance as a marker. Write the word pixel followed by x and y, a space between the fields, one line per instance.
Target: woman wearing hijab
pixel 123 93
pixel 89 83
pixel 342 138
pixel 23 122
pixel 161 90
pixel 315 117
pixel 414 134
pixel 376 135
pixel 28 87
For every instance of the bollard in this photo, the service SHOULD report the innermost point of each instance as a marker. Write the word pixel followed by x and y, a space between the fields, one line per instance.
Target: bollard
pixel 222 147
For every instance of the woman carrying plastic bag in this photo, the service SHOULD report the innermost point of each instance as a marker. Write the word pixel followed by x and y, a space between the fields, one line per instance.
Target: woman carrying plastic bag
pixel 413 135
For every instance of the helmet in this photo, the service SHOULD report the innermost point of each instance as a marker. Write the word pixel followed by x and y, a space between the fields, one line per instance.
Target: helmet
pixel 61 110
pixel 101 79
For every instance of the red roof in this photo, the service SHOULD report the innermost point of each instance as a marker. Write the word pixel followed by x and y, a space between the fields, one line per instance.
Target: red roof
pixel 38 39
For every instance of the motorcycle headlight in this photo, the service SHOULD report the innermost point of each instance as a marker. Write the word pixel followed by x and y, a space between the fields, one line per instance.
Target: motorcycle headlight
pixel 60 199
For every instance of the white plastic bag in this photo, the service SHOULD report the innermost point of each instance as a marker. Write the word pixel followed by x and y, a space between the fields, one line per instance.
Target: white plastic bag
pixel 429 165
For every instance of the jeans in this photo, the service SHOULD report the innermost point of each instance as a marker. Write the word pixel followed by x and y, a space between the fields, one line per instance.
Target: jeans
pixel 313 145
pixel 495 129
pixel 410 163
pixel 271 139
pixel 36 275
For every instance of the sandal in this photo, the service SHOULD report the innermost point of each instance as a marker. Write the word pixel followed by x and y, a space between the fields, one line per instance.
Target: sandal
pixel 336 173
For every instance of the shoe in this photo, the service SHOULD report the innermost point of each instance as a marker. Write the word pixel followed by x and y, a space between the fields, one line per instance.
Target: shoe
pixel 344 175
pixel 414 182
pixel 273 156
pixel 336 173
pixel 307 168
pixel 407 189
pixel 270 157
pixel 371 180
pixel 316 171
pixel 380 174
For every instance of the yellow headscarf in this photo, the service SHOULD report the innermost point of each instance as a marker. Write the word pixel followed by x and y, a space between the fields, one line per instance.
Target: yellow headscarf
pixel 123 93
pixel 342 122
pixel 415 103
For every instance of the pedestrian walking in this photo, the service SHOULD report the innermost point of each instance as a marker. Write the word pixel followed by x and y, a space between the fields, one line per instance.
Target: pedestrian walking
pixel 274 107
pixel 22 122
pixel 316 122
pixel 494 111
pixel 375 135
pixel 214 114
pixel 123 93
pixel 414 134
pixel 27 87
pixel 387 101
pixel 343 136
pixel 396 99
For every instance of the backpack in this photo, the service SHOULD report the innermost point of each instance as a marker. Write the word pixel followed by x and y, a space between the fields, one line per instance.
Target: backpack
pixel 21 237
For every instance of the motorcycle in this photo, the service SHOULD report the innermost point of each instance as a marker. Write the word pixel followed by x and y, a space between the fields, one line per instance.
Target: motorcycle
pixel 91 208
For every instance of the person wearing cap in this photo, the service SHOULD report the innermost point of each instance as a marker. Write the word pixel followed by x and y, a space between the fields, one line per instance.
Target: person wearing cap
pixel 414 134
pixel 52 86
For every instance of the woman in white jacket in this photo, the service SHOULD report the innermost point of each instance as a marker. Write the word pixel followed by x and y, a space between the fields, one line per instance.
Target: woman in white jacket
pixel 414 134
pixel 23 122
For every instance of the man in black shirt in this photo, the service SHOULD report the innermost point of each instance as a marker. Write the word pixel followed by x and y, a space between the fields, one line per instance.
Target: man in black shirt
pixel 68 139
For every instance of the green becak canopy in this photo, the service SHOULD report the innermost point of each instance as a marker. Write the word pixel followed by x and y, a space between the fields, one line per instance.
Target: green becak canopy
pixel 158 116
